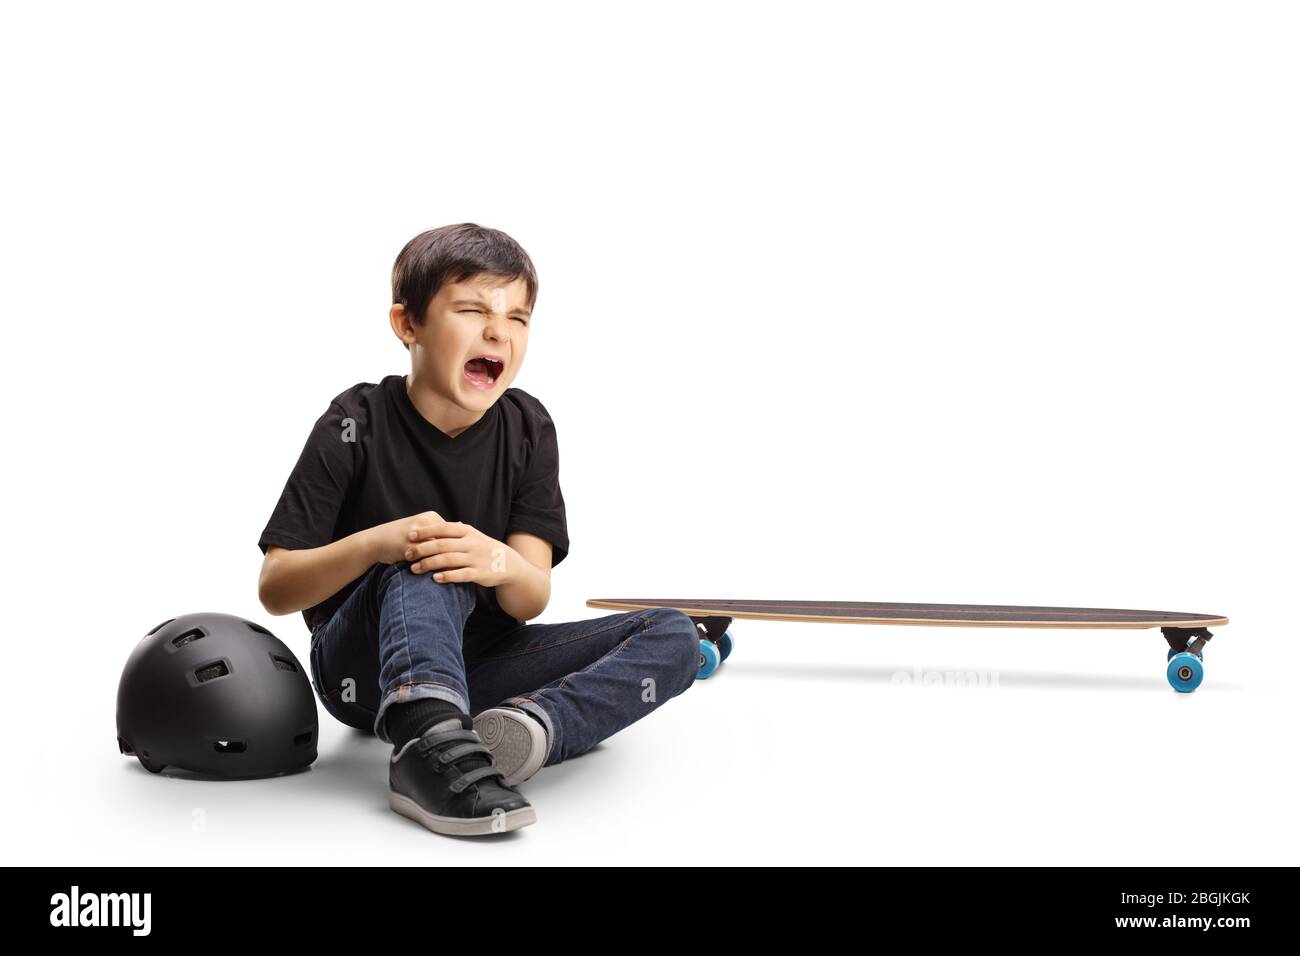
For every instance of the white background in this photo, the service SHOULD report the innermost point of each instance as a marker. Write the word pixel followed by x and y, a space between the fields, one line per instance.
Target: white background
pixel 986 303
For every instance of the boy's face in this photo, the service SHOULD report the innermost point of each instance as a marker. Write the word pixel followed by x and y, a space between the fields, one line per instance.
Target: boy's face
pixel 485 315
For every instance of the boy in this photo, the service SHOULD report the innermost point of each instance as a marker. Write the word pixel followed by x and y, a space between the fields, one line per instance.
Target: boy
pixel 417 533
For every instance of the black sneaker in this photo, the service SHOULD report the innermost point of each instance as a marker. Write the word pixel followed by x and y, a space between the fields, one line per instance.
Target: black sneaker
pixel 446 780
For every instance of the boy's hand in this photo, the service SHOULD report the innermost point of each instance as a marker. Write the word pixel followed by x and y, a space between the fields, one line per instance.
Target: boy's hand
pixel 389 541
pixel 458 552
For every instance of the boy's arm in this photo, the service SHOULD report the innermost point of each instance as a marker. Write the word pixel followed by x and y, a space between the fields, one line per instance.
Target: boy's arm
pixel 528 592
pixel 293 580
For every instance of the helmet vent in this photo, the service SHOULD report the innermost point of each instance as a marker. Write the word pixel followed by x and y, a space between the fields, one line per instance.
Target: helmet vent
pixel 259 629
pixel 303 738
pixel 283 663
pixel 189 637
pixel 229 746
pixel 161 626
pixel 212 671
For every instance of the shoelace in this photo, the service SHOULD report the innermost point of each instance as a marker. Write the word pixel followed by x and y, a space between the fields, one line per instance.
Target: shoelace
pixel 434 744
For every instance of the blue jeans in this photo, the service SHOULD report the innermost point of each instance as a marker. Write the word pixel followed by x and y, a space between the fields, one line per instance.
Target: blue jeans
pixel 398 637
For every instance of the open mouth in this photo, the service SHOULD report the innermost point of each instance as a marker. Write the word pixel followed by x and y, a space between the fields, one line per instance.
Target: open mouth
pixel 483 372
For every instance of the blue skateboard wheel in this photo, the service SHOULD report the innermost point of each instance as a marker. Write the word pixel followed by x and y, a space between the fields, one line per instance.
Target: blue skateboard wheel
pixel 1185 672
pixel 725 644
pixel 709 659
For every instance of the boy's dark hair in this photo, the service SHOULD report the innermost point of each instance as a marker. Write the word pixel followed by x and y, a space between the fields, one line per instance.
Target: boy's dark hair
pixel 453 254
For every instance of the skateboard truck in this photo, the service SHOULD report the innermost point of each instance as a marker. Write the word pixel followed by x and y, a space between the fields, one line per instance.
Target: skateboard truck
pixel 1190 639
pixel 712 628
pixel 715 643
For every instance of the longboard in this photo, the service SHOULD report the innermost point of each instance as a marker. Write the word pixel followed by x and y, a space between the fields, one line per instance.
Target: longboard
pixel 1185 633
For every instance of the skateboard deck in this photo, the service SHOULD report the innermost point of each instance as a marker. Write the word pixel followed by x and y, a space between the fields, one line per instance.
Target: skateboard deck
pixel 1185 633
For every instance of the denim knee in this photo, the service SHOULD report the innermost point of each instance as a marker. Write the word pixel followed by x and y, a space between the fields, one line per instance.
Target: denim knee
pixel 459 593
pixel 680 644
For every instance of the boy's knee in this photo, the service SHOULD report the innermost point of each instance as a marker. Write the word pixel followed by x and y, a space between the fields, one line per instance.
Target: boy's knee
pixel 681 642
pixel 400 574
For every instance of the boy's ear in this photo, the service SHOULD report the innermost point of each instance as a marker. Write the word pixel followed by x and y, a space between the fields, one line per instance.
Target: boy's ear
pixel 401 323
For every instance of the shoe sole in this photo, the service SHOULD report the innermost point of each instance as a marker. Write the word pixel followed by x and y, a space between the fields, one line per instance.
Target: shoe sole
pixel 515 749
pixel 502 822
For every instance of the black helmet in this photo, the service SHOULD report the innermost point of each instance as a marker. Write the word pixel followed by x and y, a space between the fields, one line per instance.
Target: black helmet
pixel 216 694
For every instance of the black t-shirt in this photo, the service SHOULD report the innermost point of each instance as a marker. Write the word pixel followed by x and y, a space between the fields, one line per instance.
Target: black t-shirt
pixel 373 458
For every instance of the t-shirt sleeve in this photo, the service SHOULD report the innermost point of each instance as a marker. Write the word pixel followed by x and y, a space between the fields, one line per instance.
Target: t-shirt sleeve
pixel 538 504
pixel 308 509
